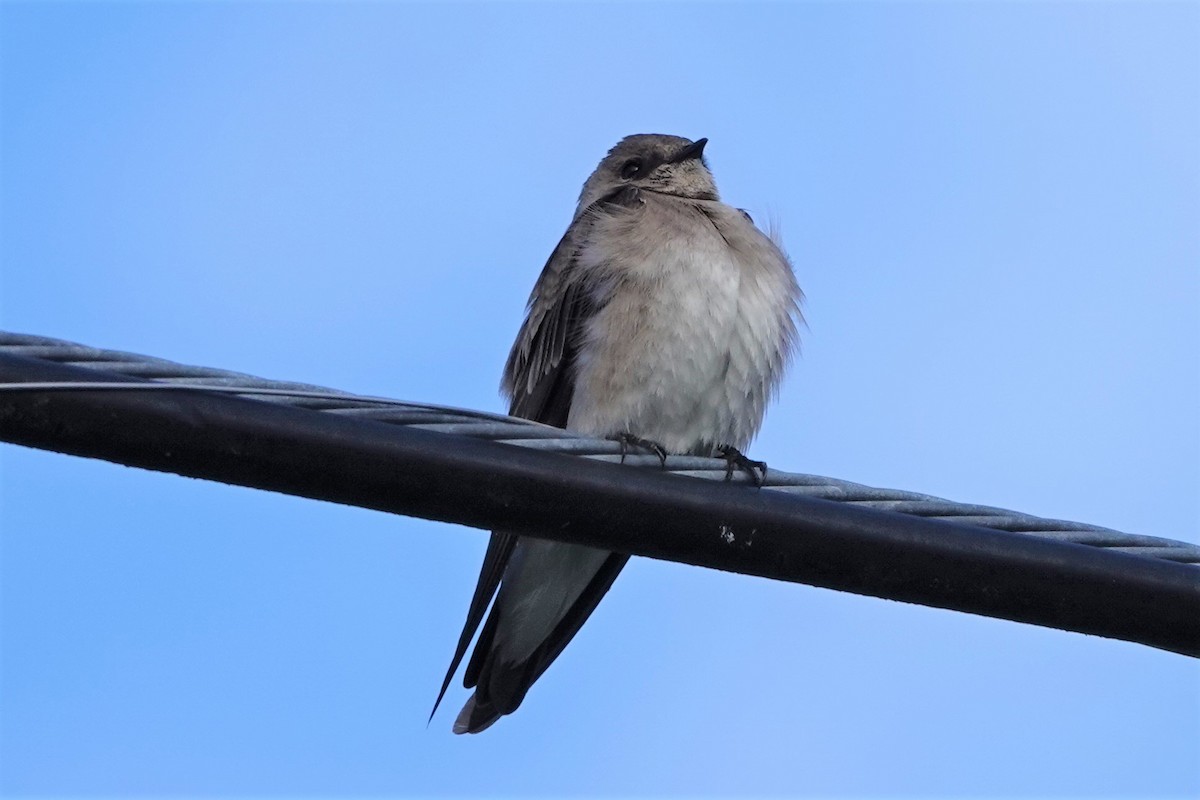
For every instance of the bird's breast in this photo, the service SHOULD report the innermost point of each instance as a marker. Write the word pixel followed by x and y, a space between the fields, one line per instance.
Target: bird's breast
pixel 686 338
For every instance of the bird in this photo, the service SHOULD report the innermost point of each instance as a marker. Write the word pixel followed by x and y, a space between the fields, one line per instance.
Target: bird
pixel 663 318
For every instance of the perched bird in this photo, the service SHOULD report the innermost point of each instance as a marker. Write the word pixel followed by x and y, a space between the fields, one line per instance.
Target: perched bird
pixel 663 317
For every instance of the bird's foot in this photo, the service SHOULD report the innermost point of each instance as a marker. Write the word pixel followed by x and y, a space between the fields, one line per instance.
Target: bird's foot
pixel 626 440
pixel 757 470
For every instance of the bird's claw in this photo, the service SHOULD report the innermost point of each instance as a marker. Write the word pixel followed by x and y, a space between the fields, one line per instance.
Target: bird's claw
pixel 628 439
pixel 757 470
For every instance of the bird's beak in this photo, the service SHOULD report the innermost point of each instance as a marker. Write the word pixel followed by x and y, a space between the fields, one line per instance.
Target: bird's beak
pixel 693 150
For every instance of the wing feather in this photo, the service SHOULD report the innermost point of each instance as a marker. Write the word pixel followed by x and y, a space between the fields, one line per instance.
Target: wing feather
pixel 539 382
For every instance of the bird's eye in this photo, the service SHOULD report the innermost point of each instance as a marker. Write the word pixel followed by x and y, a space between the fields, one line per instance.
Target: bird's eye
pixel 631 168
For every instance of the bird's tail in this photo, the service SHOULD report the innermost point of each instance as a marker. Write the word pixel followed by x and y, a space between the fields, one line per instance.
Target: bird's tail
pixel 475 717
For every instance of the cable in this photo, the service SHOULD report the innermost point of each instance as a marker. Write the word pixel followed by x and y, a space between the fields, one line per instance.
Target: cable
pixel 443 465
pixel 525 433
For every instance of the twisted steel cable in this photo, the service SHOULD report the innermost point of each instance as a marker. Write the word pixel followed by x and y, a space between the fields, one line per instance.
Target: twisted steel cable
pixel 167 375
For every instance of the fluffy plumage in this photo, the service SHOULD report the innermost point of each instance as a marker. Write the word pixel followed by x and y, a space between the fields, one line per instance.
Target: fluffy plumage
pixel 663 313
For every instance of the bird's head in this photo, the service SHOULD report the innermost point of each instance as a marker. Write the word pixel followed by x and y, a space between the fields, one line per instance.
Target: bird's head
pixel 652 162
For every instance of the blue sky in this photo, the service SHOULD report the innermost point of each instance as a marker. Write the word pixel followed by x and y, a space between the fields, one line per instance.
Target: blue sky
pixel 991 207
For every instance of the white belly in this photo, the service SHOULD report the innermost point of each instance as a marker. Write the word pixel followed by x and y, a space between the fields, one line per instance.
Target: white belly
pixel 683 350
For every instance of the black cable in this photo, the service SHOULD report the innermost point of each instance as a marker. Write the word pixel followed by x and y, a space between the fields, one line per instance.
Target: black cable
pixel 488 484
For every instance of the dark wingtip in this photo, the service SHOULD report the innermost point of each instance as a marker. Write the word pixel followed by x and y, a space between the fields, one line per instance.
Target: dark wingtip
pixel 445 684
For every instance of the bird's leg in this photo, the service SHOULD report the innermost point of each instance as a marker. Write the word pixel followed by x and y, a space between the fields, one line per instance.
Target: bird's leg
pixel 757 470
pixel 627 439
